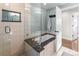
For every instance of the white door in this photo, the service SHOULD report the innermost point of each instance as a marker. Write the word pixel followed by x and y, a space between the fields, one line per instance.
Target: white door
pixel 58 28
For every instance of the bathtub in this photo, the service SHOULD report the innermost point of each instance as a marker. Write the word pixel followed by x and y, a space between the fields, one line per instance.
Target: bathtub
pixel 40 45
pixel 43 38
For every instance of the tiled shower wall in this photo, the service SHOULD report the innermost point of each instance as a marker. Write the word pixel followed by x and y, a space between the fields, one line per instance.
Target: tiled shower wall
pixel 12 44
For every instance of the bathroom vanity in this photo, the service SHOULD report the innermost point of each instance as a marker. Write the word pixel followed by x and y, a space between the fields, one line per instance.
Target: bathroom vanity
pixel 46 48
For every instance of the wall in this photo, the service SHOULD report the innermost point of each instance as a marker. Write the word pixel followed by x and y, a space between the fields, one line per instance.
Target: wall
pixel 52 12
pixel 12 43
pixel 67 25
pixel 56 26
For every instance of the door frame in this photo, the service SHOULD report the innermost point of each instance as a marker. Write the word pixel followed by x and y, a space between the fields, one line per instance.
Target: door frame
pixel 70 7
pixel 58 47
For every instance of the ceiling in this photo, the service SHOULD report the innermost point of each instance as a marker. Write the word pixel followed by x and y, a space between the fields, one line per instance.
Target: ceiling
pixel 47 6
pixel 73 10
pixel 52 5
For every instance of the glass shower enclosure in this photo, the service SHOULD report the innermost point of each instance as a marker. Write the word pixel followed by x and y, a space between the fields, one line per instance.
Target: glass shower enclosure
pixel 39 30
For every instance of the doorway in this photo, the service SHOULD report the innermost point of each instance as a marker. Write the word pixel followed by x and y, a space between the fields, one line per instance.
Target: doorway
pixel 70 28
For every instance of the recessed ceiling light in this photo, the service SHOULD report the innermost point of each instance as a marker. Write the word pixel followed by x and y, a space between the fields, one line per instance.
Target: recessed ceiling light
pixel 7 4
pixel 44 3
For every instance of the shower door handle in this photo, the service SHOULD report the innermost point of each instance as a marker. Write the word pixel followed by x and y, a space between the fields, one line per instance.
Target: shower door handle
pixel 57 31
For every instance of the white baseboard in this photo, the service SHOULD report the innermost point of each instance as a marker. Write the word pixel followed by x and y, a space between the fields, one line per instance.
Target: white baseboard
pixel 72 52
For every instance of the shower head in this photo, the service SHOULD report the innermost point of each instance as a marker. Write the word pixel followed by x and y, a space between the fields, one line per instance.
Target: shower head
pixel 51 16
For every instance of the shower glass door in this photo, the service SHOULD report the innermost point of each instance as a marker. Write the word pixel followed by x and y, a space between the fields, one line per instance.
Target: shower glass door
pixel 33 25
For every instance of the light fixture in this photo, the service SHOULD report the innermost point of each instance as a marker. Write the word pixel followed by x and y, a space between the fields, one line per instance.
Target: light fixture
pixel 44 3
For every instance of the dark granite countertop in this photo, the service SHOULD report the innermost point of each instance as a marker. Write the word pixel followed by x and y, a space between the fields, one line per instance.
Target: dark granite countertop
pixel 36 45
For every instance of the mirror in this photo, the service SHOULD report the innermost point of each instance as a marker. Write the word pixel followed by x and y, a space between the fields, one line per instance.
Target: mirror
pixel 10 16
